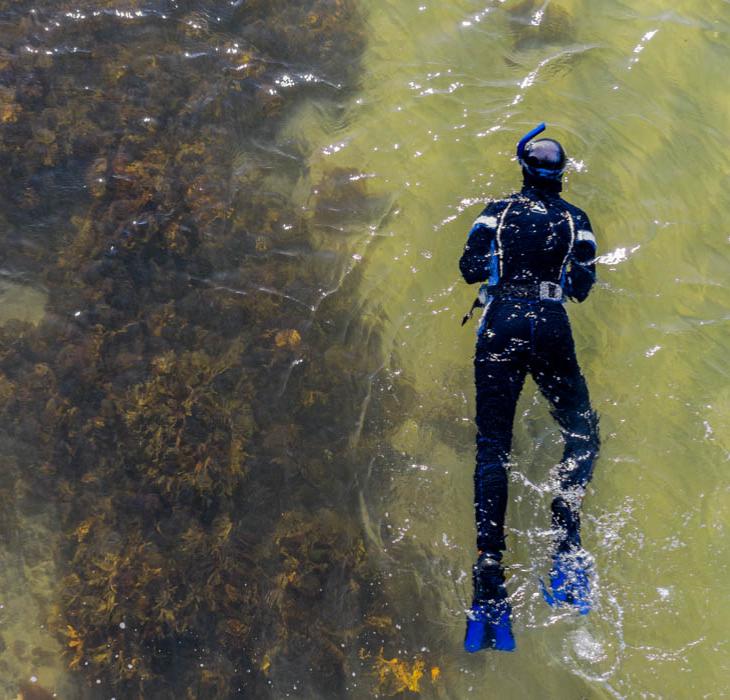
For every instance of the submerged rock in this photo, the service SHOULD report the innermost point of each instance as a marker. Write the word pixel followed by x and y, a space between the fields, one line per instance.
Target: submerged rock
pixel 21 302
pixel 535 23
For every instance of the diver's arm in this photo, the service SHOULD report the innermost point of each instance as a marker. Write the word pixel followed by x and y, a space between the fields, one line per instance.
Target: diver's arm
pixel 475 260
pixel 582 273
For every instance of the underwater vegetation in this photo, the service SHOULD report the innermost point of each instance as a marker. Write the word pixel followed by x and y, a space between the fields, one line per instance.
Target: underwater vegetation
pixel 186 413
pixel 536 23
pixel 397 676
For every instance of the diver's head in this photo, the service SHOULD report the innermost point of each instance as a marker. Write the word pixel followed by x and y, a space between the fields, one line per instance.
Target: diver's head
pixel 543 161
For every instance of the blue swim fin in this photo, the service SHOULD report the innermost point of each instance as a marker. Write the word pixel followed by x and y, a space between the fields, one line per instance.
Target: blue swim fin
pixel 489 620
pixel 569 581
pixel 489 627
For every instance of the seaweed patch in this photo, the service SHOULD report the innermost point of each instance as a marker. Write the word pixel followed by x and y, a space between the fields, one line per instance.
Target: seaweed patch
pixel 185 405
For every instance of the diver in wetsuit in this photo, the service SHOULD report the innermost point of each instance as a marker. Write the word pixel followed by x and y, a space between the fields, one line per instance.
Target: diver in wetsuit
pixel 533 250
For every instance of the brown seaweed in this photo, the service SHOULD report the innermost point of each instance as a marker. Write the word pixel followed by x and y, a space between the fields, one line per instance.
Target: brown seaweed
pixel 199 475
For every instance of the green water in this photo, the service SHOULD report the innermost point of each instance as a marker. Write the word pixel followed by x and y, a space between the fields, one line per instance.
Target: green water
pixel 637 94
pixel 316 313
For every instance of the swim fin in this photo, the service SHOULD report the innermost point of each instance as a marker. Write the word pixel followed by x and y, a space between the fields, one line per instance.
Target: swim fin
pixel 489 626
pixel 489 620
pixel 569 581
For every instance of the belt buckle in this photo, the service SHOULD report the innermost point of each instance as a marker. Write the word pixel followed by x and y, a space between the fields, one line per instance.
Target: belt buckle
pixel 551 291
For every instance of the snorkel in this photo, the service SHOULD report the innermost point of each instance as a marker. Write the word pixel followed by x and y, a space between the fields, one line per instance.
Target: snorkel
pixel 527 138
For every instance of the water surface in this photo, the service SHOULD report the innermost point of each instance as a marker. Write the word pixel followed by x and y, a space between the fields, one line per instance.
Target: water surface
pixel 635 93
pixel 288 188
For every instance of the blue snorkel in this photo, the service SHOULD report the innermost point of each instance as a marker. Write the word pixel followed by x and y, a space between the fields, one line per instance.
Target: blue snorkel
pixel 533 159
pixel 527 138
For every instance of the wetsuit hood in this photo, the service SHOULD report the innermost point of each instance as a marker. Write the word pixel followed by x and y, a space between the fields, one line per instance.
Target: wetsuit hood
pixel 541 184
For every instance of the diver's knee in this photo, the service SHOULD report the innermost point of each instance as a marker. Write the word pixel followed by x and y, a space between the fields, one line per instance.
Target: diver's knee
pixel 493 472
pixel 493 451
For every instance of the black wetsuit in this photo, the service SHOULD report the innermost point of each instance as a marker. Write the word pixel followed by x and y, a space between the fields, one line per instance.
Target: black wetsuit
pixel 534 249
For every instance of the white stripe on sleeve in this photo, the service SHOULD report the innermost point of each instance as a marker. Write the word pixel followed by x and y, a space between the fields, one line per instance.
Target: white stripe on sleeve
pixel 488 221
pixel 584 235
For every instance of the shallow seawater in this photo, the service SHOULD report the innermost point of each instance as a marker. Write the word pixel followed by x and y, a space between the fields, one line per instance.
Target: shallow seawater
pixel 299 296
pixel 635 93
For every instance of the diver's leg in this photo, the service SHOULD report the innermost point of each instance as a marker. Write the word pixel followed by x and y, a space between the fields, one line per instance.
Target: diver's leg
pixel 555 369
pixel 580 432
pixel 500 368
pixel 499 372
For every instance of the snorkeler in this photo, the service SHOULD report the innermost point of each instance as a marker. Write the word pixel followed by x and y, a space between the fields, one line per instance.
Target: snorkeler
pixel 534 250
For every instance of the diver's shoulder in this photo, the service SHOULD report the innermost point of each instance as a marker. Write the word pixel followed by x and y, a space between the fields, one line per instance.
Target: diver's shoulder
pixel 504 201
pixel 498 204
pixel 573 209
